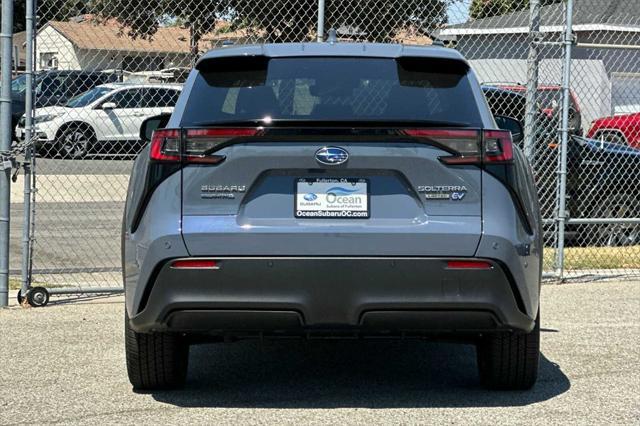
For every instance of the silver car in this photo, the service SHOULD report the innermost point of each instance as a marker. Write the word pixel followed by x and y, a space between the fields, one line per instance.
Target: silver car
pixel 328 189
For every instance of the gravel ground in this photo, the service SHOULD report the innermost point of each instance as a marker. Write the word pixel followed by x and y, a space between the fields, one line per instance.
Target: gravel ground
pixel 65 363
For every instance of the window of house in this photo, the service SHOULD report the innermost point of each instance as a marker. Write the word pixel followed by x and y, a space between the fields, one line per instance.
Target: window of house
pixel 48 60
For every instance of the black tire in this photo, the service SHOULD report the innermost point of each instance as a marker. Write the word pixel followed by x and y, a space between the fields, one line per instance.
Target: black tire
pixel 615 206
pixel 38 297
pixel 155 360
pixel 75 140
pixel 509 361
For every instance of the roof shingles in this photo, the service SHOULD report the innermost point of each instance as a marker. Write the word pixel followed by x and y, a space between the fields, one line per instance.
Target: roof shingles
pixel 93 35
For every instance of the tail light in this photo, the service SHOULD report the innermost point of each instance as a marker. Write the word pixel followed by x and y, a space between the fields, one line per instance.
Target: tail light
pixel 470 146
pixel 165 145
pixel 548 111
pixel 498 146
pixel 492 150
pixel 198 144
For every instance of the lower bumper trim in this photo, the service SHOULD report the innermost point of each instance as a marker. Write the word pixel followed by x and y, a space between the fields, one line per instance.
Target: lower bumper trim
pixel 213 320
pixel 393 322
pixel 441 321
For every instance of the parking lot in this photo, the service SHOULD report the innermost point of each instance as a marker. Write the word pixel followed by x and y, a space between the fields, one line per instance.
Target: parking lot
pixel 65 363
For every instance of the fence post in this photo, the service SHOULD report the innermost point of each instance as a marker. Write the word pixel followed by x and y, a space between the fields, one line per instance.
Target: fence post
pixel 564 132
pixel 532 79
pixel 320 37
pixel 6 36
pixel 28 154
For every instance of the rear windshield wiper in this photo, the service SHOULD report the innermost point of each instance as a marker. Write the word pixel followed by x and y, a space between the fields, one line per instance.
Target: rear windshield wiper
pixel 330 123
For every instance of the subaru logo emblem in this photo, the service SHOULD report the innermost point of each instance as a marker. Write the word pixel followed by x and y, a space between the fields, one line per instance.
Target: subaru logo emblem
pixel 331 156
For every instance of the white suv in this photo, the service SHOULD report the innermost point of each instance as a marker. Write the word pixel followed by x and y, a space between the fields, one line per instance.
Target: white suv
pixel 105 118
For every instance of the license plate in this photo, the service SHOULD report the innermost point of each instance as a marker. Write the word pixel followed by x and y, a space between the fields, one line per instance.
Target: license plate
pixel 341 198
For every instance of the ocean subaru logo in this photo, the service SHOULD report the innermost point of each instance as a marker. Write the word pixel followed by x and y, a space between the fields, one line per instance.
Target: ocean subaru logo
pixel 310 197
pixel 338 190
pixel 331 156
pixel 339 194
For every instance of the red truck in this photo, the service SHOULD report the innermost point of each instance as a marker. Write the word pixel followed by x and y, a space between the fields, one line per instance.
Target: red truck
pixel 623 129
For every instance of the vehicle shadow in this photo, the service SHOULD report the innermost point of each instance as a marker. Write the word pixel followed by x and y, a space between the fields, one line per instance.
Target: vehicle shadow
pixel 332 374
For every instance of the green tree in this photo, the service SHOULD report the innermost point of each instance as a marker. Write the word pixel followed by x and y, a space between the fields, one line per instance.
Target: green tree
pixel 142 18
pixel 373 20
pixel 274 20
pixel 48 10
pixel 278 20
pixel 485 8
pixel 380 20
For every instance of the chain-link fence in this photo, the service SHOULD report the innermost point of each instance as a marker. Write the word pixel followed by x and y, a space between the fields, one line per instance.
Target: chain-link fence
pixel 103 66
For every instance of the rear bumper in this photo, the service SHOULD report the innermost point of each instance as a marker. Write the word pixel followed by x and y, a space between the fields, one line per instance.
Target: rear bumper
pixel 43 137
pixel 306 295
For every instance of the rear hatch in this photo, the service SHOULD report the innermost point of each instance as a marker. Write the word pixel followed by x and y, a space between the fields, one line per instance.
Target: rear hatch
pixel 330 157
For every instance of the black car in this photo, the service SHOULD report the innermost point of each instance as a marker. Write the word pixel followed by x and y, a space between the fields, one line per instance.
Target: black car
pixel 603 179
pixel 55 88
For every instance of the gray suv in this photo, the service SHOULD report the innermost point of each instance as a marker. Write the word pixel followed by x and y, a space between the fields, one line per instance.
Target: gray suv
pixel 332 190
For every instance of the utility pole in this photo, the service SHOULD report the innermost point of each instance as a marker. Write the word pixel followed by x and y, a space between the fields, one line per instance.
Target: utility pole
pixel 564 139
pixel 28 154
pixel 6 38
pixel 533 62
pixel 320 37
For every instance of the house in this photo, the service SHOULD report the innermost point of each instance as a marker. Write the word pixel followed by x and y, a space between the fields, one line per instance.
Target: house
pixel 87 44
pixel 19 52
pixel 605 80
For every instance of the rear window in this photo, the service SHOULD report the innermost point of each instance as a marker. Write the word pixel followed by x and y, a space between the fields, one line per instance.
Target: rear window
pixel 332 89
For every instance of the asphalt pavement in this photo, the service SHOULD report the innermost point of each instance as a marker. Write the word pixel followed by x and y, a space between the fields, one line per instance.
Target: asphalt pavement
pixel 93 165
pixel 65 363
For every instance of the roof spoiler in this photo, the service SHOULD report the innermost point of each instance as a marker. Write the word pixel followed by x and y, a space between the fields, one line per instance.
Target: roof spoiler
pixel 259 62
pixel 259 55
pixel 231 63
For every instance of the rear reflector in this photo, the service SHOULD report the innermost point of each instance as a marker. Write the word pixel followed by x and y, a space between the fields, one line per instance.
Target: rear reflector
pixel 199 144
pixel 468 264
pixel 195 264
